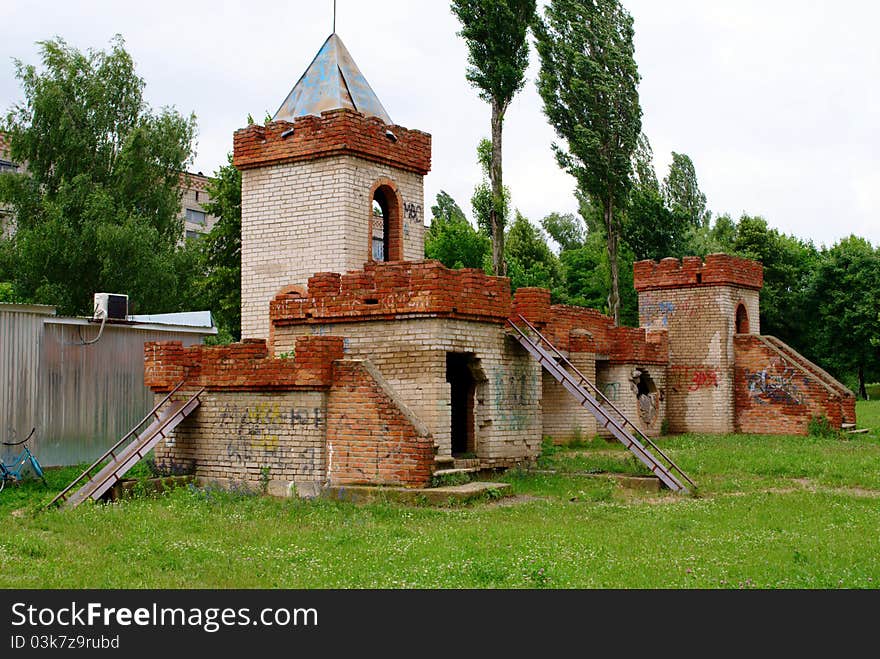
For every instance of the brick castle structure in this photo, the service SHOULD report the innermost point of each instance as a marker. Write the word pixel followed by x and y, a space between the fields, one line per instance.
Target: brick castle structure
pixel 373 366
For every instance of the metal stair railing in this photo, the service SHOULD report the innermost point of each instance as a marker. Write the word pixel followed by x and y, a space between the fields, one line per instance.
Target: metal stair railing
pixel 86 476
pixel 590 400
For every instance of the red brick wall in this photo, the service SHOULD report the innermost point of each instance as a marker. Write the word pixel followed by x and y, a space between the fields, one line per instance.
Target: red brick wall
pixel 372 437
pixel 241 367
pixel 335 132
pixel 691 271
pixel 623 345
pixel 382 291
pixel 774 395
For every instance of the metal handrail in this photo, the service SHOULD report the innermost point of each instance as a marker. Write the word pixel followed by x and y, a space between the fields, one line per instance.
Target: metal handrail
pixel 602 397
pixel 87 472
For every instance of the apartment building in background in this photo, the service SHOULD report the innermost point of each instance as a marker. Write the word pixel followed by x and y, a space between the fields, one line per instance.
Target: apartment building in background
pixel 194 188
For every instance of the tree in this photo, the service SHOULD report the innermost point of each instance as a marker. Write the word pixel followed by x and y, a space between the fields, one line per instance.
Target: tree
pixel 498 53
pixel 220 287
pixel 97 207
pixel 589 84
pixel 650 228
pixel 681 192
pixel 566 229
pixel 452 240
pixel 529 259
pixel 845 299
pixel 482 202
pixel 789 264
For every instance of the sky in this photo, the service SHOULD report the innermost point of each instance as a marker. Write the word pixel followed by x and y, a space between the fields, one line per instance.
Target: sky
pixel 775 101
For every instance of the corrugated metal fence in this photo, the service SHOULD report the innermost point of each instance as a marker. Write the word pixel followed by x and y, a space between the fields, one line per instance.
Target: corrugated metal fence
pixel 81 398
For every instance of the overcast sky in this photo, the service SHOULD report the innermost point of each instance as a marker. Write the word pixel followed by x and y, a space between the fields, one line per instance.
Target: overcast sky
pixel 776 101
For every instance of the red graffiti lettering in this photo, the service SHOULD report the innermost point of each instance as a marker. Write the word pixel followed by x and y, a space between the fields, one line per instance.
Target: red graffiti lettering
pixel 703 379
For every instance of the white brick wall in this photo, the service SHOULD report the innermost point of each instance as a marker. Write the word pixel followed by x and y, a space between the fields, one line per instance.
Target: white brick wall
pixel 411 355
pixel 308 217
pixel 701 324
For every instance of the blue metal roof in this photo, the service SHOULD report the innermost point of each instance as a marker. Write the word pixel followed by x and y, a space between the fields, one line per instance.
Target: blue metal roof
pixel 331 82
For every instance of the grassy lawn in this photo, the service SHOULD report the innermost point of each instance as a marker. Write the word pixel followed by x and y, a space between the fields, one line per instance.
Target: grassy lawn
pixel 777 512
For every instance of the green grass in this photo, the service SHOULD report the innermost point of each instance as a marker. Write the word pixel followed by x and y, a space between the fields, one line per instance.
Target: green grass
pixel 868 416
pixel 775 512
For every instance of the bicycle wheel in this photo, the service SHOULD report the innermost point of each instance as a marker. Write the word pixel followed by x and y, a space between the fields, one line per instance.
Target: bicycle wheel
pixel 2 482
pixel 38 470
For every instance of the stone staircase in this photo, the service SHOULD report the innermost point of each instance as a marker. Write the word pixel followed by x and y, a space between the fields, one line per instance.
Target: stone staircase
pixel 846 398
pixel 451 466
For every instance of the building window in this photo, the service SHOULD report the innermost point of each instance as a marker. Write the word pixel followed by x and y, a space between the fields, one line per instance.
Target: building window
pixel 6 166
pixel 196 217
pixel 194 235
pixel 378 249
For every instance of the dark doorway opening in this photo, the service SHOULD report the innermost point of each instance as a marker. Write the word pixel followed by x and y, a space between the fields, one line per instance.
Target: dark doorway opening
pixel 463 387
pixel 742 320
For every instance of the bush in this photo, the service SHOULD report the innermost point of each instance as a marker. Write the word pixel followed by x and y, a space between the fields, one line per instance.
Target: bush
pixel 820 426
pixel 873 391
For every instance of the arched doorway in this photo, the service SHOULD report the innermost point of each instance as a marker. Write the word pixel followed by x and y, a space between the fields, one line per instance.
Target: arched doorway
pixel 386 241
pixel 742 319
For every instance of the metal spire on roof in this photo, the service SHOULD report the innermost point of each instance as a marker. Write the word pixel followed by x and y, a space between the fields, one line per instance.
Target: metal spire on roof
pixel 332 81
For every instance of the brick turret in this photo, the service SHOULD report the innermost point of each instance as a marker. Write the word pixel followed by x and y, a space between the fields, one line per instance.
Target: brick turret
pixel 328 186
pixel 702 305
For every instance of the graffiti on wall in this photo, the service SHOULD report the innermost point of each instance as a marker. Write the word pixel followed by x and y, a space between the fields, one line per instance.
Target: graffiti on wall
pixel 702 378
pixel 411 211
pixel 258 430
pixel 611 390
pixel 774 385
pixel 693 378
pixel 660 312
pixel 514 395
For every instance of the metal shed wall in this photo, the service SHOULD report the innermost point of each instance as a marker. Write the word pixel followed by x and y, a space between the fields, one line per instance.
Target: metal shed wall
pixel 81 398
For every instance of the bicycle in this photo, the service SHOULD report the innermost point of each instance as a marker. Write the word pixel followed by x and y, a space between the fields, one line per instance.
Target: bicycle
pixel 12 471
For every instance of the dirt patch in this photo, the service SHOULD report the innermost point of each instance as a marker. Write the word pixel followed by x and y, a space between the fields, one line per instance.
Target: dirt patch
pixel 516 500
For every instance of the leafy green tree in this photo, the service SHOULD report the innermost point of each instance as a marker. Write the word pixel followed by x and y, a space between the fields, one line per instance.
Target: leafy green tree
pixel 586 278
pixel 789 264
pixel 452 240
pixel 482 202
pixel 97 206
pixel 566 229
pixel 589 84
pixel 650 227
pixel 681 191
pixel 220 252
pixel 530 262
pixel 845 299
pixel 498 53
pixel 446 209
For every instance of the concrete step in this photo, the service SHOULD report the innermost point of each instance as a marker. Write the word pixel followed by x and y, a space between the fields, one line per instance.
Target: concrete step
pixel 862 431
pixel 455 472
pixel 847 426
pixel 437 496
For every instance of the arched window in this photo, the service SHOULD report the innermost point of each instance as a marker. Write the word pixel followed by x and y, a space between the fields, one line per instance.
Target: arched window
pixel 742 319
pixel 386 241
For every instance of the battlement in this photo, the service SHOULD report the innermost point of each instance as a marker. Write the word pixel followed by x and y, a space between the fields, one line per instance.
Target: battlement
pixel 692 272
pixel 334 133
pixel 579 329
pixel 383 291
pixel 242 366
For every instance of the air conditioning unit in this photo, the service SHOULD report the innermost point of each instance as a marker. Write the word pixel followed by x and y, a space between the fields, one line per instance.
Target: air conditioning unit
pixel 111 306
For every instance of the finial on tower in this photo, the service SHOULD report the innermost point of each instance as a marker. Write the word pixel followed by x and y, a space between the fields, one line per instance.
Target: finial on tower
pixel 334 16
